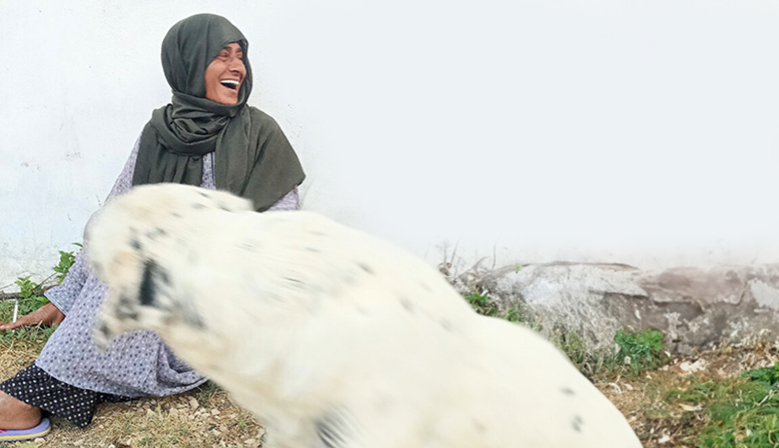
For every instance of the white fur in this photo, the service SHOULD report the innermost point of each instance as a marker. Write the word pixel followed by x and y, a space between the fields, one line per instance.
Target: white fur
pixel 334 338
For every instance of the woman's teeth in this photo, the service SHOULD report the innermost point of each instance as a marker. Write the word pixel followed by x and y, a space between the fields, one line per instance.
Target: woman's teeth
pixel 230 83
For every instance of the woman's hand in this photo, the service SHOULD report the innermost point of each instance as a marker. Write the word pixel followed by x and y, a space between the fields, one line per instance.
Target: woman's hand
pixel 47 314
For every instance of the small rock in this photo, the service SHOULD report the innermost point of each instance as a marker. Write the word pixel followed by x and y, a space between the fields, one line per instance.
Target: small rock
pixel 688 367
pixel 78 442
pixel 150 413
pixel 39 440
pixel 689 408
pixel 216 432
pixel 193 404
pixel 250 442
pixel 214 411
pixel 173 412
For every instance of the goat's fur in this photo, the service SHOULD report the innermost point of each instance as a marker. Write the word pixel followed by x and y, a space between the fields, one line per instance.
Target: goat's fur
pixel 331 337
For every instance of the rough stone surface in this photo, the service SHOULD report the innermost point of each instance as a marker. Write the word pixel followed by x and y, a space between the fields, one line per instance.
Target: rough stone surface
pixel 693 307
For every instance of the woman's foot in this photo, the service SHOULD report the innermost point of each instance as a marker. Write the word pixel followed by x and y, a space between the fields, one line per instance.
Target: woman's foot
pixel 15 414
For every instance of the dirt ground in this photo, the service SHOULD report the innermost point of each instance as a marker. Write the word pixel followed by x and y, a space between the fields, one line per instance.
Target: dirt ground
pixel 206 417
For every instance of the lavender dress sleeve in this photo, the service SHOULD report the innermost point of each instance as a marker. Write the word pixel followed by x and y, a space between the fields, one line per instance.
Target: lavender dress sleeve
pixel 137 363
pixel 289 202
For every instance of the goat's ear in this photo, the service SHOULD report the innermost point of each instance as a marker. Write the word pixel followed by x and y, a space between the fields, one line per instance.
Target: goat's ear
pixel 147 293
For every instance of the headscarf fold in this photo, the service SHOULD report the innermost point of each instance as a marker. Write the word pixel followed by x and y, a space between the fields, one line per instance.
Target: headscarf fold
pixel 253 158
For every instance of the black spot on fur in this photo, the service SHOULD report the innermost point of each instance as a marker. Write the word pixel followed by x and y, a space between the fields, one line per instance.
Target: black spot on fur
pixel 125 309
pixel 165 277
pixel 126 315
pixel 294 281
pixel 198 206
pixel 148 290
pixel 204 194
pixel 195 322
pixel 366 268
pixel 135 244
pixel 568 391
pixel 175 214
pixel 192 317
pixel 125 301
pixel 154 233
pixel 224 207
pixel 407 305
pixel 334 428
pixel 577 423
pixel 104 330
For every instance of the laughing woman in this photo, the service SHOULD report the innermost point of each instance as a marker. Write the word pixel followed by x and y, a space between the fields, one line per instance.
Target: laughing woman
pixel 206 136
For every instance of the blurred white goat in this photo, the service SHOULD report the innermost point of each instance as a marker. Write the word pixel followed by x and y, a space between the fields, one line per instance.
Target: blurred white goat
pixel 331 337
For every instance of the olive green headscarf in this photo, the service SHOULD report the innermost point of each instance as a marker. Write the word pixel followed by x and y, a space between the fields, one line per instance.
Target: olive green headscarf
pixel 253 158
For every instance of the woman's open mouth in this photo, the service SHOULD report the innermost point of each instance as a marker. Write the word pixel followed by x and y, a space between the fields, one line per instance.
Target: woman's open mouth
pixel 230 84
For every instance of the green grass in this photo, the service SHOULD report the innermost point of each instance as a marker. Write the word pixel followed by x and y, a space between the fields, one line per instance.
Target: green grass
pixel 641 351
pixel 30 299
pixel 742 412
pixel 66 261
pixel 37 334
pixel 487 306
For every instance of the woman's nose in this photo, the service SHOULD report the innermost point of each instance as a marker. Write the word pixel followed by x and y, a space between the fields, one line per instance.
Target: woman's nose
pixel 237 64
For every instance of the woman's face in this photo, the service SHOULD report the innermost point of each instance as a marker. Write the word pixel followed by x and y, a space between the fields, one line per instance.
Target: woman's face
pixel 225 75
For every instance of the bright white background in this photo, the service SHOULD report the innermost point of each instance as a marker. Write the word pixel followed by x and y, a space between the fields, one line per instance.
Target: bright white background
pixel 644 132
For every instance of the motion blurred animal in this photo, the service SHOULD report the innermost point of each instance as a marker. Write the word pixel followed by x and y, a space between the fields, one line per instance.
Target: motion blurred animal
pixel 333 338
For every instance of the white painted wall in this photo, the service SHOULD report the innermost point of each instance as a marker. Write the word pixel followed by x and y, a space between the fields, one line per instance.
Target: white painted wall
pixel 638 131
